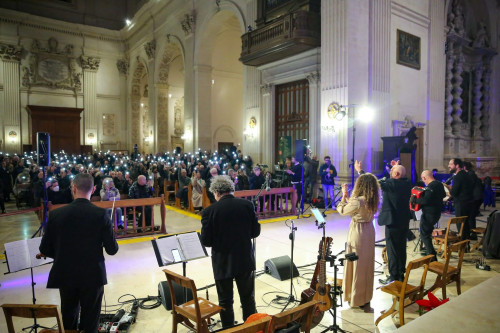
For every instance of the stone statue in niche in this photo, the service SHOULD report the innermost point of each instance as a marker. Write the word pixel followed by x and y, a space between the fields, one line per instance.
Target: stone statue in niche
pixel 481 39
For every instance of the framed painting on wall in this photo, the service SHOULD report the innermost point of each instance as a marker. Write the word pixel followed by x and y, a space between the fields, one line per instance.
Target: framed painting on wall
pixel 408 50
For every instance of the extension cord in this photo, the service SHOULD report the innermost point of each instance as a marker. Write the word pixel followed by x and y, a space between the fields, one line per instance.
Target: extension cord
pixel 483 267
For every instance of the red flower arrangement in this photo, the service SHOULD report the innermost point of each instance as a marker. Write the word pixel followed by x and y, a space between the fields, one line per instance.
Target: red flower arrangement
pixel 432 303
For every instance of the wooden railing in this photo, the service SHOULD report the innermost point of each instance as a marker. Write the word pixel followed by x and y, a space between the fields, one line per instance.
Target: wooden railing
pixel 133 227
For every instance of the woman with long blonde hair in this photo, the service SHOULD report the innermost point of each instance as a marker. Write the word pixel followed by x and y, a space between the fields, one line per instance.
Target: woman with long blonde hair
pixel 362 206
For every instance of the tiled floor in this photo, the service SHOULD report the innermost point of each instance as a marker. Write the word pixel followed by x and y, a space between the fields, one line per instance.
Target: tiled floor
pixel 134 272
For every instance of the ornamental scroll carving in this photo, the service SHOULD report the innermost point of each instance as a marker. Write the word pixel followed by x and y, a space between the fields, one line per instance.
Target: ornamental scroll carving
pixel 123 66
pixel 52 67
pixel 187 24
pixel 150 49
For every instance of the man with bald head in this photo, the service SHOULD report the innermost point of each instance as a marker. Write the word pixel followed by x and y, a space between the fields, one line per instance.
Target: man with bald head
pixel 142 189
pixel 431 202
pixel 395 215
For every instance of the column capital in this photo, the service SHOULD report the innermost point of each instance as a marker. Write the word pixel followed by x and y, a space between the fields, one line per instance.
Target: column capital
pixel 266 89
pixel 150 49
pixel 10 52
pixel 314 77
pixel 123 66
pixel 90 63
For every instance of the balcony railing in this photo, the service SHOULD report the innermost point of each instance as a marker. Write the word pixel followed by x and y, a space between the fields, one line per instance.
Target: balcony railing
pixel 290 34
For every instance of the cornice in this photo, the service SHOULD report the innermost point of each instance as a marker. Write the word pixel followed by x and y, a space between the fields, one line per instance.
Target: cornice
pixel 37 22
pixel 410 15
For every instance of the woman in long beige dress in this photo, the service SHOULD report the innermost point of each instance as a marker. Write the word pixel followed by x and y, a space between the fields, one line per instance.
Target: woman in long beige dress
pixel 362 206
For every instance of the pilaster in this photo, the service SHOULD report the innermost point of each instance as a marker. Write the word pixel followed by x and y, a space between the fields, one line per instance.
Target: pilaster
pixel 90 66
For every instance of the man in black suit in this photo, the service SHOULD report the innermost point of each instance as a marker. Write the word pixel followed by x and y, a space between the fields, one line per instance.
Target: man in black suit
pixel 461 190
pixel 228 227
pixel 395 215
pixel 296 173
pixel 74 236
pixel 431 202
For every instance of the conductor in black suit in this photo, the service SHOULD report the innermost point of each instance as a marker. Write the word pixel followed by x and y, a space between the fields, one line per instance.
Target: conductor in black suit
pixel 461 190
pixel 395 215
pixel 228 227
pixel 75 236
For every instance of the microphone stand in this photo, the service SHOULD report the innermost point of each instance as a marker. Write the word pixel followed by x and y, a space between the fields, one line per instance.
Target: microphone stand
pixel 45 207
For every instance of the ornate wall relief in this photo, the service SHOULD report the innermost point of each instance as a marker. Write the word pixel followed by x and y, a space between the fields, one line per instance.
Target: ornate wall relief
pixel 108 124
pixel 179 117
pixel 50 66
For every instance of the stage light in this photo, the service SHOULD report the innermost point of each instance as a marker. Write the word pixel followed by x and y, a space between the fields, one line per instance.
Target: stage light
pixel 365 113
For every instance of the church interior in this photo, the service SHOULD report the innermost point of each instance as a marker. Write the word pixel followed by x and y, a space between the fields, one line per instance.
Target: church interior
pixel 356 80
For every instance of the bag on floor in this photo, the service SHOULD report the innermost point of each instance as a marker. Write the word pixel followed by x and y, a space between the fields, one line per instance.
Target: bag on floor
pixel 491 241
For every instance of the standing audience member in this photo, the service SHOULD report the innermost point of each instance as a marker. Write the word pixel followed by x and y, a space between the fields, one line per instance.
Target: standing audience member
pixel 141 189
pixel 198 184
pixel 395 215
pixel 461 191
pixel 328 173
pixel 182 192
pixel 75 236
pixel 56 195
pixel 228 227
pixel 213 173
pixel 6 178
pixel 110 193
pixel 362 206
pixel 296 173
pixel 310 176
pixel 431 202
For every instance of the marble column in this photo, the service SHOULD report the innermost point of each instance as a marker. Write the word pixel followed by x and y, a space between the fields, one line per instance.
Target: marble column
pixel 314 80
pixel 203 117
pixel 11 109
pixel 123 68
pixel 267 123
pixel 90 67
pixel 162 137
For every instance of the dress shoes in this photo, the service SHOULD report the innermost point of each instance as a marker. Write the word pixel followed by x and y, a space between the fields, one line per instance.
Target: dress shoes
pixel 387 280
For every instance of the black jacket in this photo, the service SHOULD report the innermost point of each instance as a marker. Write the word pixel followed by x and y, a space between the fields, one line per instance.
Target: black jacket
pixel 228 227
pixel 432 198
pixel 462 187
pixel 395 211
pixel 75 236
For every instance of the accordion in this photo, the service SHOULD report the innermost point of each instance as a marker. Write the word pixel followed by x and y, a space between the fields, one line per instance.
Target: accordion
pixel 416 192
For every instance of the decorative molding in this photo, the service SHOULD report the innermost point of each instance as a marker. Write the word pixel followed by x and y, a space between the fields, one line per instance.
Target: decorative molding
pixel 49 66
pixel 123 66
pixel 103 96
pixel 266 89
pixel 314 78
pixel 90 63
pixel 179 117
pixel 409 14
pixel 10 52
pixel 188 23
pixel 150 49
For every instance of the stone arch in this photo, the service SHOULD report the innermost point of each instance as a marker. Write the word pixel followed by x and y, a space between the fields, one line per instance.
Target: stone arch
pixel 224 133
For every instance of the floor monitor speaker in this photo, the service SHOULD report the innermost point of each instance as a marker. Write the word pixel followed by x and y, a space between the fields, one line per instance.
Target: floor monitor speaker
pixel 279 268
pixel 180 295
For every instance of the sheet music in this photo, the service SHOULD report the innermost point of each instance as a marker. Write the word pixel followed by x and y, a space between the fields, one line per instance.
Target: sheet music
pixel 191 246
pixel 165 247
pixel 33 245
pixel 17 255
pixel 319 217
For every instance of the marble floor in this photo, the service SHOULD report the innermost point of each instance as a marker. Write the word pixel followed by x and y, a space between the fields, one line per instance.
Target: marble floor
pixel 134 272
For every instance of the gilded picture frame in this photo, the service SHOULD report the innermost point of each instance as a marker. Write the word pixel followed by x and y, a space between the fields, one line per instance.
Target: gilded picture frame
pixel 408 52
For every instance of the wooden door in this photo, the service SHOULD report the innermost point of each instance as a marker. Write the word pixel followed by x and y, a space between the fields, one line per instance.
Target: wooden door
pixel 63 125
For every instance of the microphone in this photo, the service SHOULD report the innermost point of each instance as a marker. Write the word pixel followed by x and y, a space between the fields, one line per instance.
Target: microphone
pixel 268 183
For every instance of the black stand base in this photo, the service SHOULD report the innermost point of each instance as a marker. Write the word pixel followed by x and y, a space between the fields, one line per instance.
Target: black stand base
pixel 34 328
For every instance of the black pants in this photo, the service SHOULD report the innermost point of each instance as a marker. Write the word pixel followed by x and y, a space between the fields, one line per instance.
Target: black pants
pixel 427 222
pixel 395 242
pixel 465 209
pixel 298 188
pixel 147 216
pixel 83 301
pixel 246 285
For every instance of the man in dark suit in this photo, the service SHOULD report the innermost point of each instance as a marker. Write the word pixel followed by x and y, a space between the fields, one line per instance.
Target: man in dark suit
pixel 228 227
pixel 395 215
pixel 461 190
pixel 296 173
pixel 431 202
pixel 75 236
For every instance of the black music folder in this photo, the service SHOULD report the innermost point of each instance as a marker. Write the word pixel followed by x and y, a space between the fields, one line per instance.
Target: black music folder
pixel 178 248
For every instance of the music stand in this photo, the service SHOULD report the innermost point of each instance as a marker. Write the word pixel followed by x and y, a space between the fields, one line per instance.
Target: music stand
pixel 21 255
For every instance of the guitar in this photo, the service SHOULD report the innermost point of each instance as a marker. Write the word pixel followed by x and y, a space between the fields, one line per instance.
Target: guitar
pixel 322 294
pixel 309 293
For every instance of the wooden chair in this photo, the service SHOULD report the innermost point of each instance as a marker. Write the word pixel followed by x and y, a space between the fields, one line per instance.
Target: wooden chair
pixel 403 291
pixel 166 191
pixel 480 233
pixel 450 237
pixel 447 274
pixel 177 200
pixel 34 311
pixel 261 325
pixel 302 314
pixel 198 310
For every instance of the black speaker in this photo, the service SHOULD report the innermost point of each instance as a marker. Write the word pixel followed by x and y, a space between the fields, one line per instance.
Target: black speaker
pixel 300 150
pixel 279 268
pixel 180 294
pixel 42 149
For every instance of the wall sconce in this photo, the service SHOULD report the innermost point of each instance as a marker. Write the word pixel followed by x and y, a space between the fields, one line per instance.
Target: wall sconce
pixel 149 138
pixel 91 138
pixel 12 136
pixel 336 111
pixel 188 134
